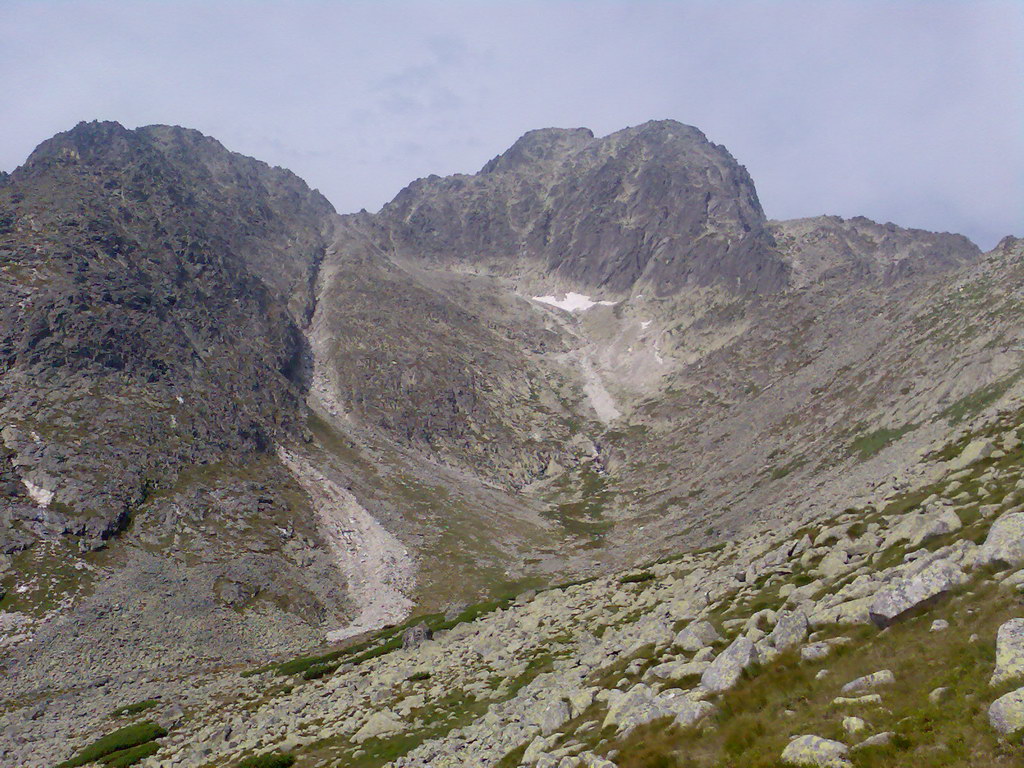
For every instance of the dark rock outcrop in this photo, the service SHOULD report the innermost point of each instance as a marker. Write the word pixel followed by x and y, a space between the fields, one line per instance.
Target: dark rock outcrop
pixel 151 288
pixel 655 206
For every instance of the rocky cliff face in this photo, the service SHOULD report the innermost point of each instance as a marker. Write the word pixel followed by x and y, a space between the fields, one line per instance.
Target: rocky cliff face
pixel 656 207
pixel 149 298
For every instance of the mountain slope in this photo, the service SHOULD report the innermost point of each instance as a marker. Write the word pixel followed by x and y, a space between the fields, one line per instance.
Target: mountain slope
pixel 263 424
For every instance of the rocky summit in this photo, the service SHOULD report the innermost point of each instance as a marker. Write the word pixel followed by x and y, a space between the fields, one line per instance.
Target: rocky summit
pixel 575 462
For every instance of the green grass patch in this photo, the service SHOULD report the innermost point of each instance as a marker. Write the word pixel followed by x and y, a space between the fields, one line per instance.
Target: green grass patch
pixel 121 739
pixel 130 756
pixel 868 445
pixel 269 760
pixel 134 709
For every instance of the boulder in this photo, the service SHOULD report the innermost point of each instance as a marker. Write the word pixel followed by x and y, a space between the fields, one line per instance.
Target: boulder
pixel 815 651
pixel 790 630
pixel 869 682
pixel 816 752
pixel 689 712
pixel 1006 714
pixel 416 636
pixel 724 672
pixel 1009 652
pixel 1004 545
pixel 853 725
pixel 383 723
pixel 678 670
pixel 637 706
pixel 909 594
pixel 975 450
pixel 878 740
pixel 555 715
pixel 695 636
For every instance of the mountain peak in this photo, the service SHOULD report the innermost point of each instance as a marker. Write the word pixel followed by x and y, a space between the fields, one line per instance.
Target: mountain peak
pixel 538 147
pixel 655 203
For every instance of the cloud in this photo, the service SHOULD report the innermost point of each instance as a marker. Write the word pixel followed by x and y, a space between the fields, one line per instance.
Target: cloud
pixel 905 111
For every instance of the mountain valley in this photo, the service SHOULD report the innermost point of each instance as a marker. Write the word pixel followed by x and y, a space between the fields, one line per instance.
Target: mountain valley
pixel 656 478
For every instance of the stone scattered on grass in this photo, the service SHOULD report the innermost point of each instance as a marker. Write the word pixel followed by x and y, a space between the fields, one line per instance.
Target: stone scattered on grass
pixel 1009 652
pixel 878 740
pixel 1006 714
pixel 724 672
pixel 869 682
pixel 816 752
pixel 695 636
pixel 916 592
pixel 1004 545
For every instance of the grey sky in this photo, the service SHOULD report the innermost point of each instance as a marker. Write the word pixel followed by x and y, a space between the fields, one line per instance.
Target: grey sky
pixel 911 112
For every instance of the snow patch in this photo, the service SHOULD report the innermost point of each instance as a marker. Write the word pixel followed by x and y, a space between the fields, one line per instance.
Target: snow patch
pixel 38 494
pixel 572 302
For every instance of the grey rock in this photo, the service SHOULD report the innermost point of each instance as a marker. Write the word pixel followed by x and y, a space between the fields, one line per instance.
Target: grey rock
pixel 790 630
pixel 816 752
pixel 869 682
pixel 878 740
pixel 725 671
pixel 417 635
pixel 1006 714
pixel 696 636
pixel 555 715
pixel 1009 652
pixel 914 593
pixel 1004 545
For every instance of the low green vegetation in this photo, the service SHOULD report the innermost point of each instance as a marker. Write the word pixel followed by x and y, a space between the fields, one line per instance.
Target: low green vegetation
pixel 868 445
pixel 385 641
pixel 123 747
pixel 269 760
pixel 977 401
pixel 636 578
pixel 755 721
pixel 134 709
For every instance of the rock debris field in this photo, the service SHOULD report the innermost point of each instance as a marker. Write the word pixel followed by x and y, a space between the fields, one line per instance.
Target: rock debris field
pixel 874 636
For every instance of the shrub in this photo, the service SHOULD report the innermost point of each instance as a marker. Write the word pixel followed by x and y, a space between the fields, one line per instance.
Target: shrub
pixel 269 760
pixel 121 739
pixel 637 578
pixel 125 757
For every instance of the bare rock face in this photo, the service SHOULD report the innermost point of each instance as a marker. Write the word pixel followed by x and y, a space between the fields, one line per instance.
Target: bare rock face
pixel 149 300
pixel 657 205
pixel 828 247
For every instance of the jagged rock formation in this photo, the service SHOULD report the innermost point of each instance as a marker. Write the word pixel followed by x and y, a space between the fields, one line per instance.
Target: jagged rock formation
pixel 656 207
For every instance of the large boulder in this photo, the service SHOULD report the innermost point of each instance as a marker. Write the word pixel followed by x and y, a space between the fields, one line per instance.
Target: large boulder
pixel 816 752
pixel 1004 545
pixel 974 451
pixel 1006 714
pixel 641 705
pixel 1009 652
pixel 417 635
pixel 696 635
pixel 790 630
pixel 869 682
pixel 915 529
pixel 637 706
pixel 383 723
pixel 555 715
pixel 724 672
pixel 909 594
